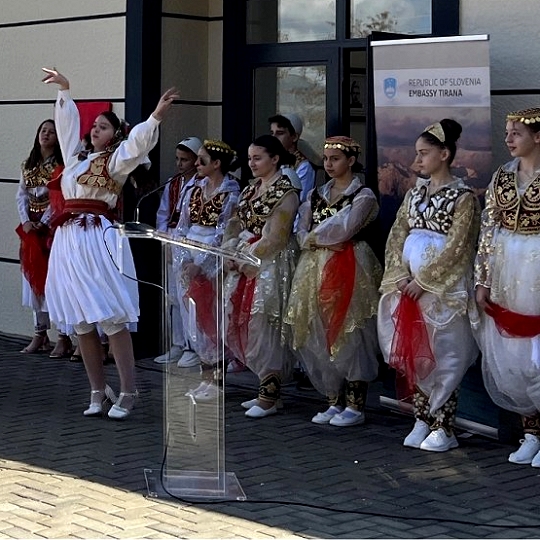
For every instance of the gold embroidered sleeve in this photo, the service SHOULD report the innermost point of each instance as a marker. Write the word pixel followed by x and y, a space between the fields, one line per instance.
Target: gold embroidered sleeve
pixel 232 231
pixel 455 260
pixel 277 229
pixel 395 270
pixel 488 228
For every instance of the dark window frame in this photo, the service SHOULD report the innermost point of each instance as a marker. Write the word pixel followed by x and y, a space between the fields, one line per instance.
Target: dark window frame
pixel 237 116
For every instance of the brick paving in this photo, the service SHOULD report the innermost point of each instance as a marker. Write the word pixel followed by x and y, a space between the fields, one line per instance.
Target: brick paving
pixel 66 476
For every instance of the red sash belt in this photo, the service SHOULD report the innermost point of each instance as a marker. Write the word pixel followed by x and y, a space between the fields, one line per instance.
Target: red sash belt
pixel 335 292
pixel 410 355
pixel 241 301
pixel 202 292
pixel 74 207
pixel 511 324
pixel 34 257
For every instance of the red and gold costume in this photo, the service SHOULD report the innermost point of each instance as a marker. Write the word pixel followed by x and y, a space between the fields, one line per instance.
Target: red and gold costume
pixel 257 298
pixel 334 296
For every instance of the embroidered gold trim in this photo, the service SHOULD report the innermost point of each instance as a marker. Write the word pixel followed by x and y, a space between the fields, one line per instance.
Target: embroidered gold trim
pixel 525 116
pixel 517 214
pixel 437 131
pixel 39 176
pixel 218 146
pixel 98 176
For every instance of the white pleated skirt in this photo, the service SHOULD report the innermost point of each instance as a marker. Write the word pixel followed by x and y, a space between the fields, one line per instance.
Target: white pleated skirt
pixel 86 281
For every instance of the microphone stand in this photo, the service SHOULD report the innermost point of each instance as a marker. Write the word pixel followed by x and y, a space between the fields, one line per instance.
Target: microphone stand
pixel 151 192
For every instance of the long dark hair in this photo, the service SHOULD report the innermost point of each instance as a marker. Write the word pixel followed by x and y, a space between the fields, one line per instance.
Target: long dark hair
pixel 35 158
pixel 120 131
pixel 273 147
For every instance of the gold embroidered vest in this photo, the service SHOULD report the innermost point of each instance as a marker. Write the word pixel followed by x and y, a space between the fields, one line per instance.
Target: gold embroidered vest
pixel 254 212
pixel 517 214
pixel 321 209
pixel 39 176
pixel 204 212
pixel 437 212
pixel 97 175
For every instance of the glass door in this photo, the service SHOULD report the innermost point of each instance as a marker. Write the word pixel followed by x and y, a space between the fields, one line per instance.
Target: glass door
pixel 293 89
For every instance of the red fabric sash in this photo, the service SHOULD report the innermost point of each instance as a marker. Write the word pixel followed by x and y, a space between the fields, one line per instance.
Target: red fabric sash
pixel 410 355
pixel 56 198
pixel 241 300
pixel 511 324
pixel 74 207
pixel 202 292
pixel 336 290
pixel 34 256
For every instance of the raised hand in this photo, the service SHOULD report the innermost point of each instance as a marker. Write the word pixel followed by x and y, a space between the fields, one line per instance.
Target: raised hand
pixel 164 103
pixel 54 76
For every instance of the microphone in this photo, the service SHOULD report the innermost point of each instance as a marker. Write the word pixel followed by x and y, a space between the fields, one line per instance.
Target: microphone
pixel 151 192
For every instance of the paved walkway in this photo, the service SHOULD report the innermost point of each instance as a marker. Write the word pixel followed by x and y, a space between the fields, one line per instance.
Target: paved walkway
pixel 65 476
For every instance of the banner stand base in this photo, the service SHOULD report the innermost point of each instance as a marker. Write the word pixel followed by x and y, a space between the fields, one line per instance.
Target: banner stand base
pixel 193 484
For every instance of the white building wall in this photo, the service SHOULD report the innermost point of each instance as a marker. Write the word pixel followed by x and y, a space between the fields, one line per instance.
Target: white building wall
pixel 191 61
pixel 92 54
pixel 514 32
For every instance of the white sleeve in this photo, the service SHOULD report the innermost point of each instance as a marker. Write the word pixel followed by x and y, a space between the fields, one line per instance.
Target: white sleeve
pixel 162 216
pixel 67 122
pixel 134 150
pixel 22 201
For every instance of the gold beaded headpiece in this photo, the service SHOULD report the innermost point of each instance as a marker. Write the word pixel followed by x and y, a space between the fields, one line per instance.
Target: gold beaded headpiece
pixel 437 131
pixel 525 116
pixel 346 144
pixel 218 146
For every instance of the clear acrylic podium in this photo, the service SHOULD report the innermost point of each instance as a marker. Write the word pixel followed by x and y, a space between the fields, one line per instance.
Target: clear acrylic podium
pixel 194 429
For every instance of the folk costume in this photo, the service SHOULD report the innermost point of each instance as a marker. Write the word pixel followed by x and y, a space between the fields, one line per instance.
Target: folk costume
pixel 167 218
pixel 85 284
pixel 429 342
pixel 507 264
pixel 262 226
pixel 203 218
pixel 334 296
pixel 33 205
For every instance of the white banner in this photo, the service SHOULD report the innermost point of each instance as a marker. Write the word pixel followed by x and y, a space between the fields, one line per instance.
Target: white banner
pixel 421 81
pixel 440 87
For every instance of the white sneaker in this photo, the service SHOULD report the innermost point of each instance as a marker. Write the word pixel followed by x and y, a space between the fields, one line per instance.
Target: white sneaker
pixel 326 416
pixel 349 417
pixel 439 441
pixel 201 388
pixel 536 461
pixel 530 446
pixel 259 412
pixel 189 359
pixel 416 437
pixel 208 393
pixel 170 356
pixel 250 403
pixel 255 401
